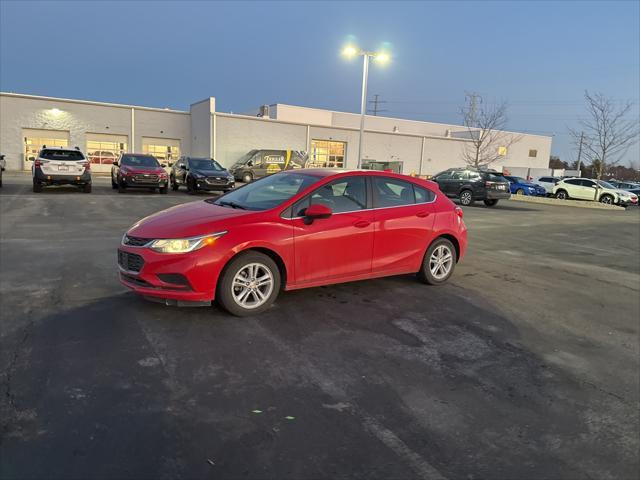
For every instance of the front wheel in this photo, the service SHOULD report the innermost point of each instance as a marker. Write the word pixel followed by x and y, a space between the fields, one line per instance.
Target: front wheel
pixel 491 202
pixel 191 186
pixel 247 177
pixel 438 262
pixel 249 284
pixel 114 185
pixel 608 199
pixel 121 186
pixel 174 185
pixel 520 192
pixel 466 198
pixel 164 189
pixel 86 188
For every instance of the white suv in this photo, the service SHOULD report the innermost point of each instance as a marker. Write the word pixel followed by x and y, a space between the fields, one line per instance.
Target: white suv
pixel 594 190
pixel 61 166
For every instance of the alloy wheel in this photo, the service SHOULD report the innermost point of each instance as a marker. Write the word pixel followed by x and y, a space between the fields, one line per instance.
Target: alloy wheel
pixel 440 262
pixel 252 285
pixel 465 198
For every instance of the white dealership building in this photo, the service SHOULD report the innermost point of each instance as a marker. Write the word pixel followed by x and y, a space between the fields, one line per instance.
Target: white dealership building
pixel 103 130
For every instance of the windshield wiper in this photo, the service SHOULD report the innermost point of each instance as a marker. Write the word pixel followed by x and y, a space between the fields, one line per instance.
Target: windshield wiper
pixel 226 203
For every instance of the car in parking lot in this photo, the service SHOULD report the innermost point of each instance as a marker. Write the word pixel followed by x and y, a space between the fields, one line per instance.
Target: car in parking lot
pixel 259 163
pixel 520 186
pixel 632 187
pixel 546 182
pixel 594 190
pixel 469 185
pixel 200 174
pixel 292 230
pixel 61 166
pixel 138 170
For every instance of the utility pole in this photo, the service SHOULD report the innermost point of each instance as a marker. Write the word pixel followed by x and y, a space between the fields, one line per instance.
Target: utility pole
pixel 375 102
pixel 580 152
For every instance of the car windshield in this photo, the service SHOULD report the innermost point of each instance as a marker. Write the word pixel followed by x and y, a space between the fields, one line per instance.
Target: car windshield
pixel 245 158
pixel 139 161
pixel 204 164
pixel 61 155
pixel 266 193
pixel 605 184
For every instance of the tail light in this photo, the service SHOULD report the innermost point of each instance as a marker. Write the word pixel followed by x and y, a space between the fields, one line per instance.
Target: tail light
pixel 86 165
pixel 39 162
pixel 459 212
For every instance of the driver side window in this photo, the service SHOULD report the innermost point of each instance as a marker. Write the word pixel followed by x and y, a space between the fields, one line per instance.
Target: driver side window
pixel 343 195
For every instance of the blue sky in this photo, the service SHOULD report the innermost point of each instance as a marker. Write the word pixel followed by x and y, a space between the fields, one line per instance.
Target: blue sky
pixel 539 56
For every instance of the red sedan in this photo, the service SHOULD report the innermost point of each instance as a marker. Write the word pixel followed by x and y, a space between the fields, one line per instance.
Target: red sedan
pixel 291 230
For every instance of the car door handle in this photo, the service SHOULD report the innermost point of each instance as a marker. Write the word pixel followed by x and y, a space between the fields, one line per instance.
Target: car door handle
pixel 361 224
pixel 422 214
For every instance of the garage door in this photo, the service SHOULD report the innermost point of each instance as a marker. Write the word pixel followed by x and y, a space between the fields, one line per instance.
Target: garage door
pixel 35 139
pixel 164 149
pixel 103 149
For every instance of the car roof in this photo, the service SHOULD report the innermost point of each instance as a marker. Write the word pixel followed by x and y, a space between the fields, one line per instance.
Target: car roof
pixel 73 149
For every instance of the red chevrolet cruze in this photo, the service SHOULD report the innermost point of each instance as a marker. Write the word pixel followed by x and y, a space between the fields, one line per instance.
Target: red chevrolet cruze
pixel 293 230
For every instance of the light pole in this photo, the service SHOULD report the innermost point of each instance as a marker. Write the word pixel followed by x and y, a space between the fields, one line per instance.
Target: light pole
pixel 380 57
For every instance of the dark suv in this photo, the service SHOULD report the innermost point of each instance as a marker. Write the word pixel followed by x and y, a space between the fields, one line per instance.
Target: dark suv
pixel 469 185
pixel 200 174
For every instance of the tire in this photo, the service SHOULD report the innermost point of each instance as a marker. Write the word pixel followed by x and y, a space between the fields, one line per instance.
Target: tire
pixel 37 187
pixel 247 177
pixel 466 197
pixel 562 195
pixel 520 192
pixel 121 187
pixel 86 188
pixel 114 185
pixel 174 185
pixel 491 202
pixel 608 199
pixel 164 189
pixel 191 186
pixel 440 248
pixel 230 297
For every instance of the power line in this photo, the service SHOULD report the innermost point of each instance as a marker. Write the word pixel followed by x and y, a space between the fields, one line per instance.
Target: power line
pixel 375 102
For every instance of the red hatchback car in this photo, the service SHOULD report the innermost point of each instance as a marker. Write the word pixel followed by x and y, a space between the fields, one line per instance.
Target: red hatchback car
pixel 291 230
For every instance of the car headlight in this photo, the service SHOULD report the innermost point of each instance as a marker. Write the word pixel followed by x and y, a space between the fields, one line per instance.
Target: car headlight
pixel 184 245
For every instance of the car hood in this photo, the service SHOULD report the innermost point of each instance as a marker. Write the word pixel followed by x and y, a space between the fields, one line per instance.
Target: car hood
pixel 148 170
pixel 186 220
pixel 209 173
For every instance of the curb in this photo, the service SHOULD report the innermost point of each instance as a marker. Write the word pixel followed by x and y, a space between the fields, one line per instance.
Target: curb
pixel 567 203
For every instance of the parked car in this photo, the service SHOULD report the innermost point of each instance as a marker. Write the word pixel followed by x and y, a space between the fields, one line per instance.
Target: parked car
pixel 594 190
pixel 60 166
pixel 292 230
pixel 3 165
pixel 137 170
pixel 547 183
pixel 259 163
pixel 520 186
pixel 102 156
pixel 200 174
pixel 469 185
pixel 628 186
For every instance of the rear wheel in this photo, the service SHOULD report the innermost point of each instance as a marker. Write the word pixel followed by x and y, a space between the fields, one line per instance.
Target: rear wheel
pixel 249 284
pixel 562 195
pixel 491 202
pixel 438 263
pixel 37 186
pixel 466 197
pixel 86 188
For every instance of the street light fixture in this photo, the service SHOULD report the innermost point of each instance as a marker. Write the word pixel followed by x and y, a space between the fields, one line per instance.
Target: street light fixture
pixel 381 57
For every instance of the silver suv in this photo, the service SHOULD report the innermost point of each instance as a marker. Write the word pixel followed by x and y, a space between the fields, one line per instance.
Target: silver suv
pixel 61 166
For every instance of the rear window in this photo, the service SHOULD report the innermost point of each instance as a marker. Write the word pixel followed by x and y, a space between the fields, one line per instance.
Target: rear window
pixel 494 178
pixel 139 161
pixel 61 155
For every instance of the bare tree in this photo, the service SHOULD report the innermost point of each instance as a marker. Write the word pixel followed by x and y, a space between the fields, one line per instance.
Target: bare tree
pixel 608 132
pixel 485 128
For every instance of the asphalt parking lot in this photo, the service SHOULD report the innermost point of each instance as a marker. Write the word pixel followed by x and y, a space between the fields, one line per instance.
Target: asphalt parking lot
pixel 524 366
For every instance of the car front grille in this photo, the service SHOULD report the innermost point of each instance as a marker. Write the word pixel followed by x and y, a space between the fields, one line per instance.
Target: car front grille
pixel 216 180
pixel 145 177
pixel 130 261
pixel 135 241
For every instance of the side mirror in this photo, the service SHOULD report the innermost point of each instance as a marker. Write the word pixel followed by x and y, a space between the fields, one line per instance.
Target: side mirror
pixel 171 164
pixel 31 159
pixel 183 167
pixel 115 163
pixel 315 212
pixel 163 165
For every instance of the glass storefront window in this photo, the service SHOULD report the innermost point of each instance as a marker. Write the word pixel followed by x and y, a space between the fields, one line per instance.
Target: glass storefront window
pixel 164 153
pixel 327 154
pixel 104 151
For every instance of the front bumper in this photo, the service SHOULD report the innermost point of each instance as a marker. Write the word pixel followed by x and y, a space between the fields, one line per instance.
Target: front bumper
pixel 131 181
pixel 627 202
pixel 190 277
pixel 54 179
pixel 203 184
